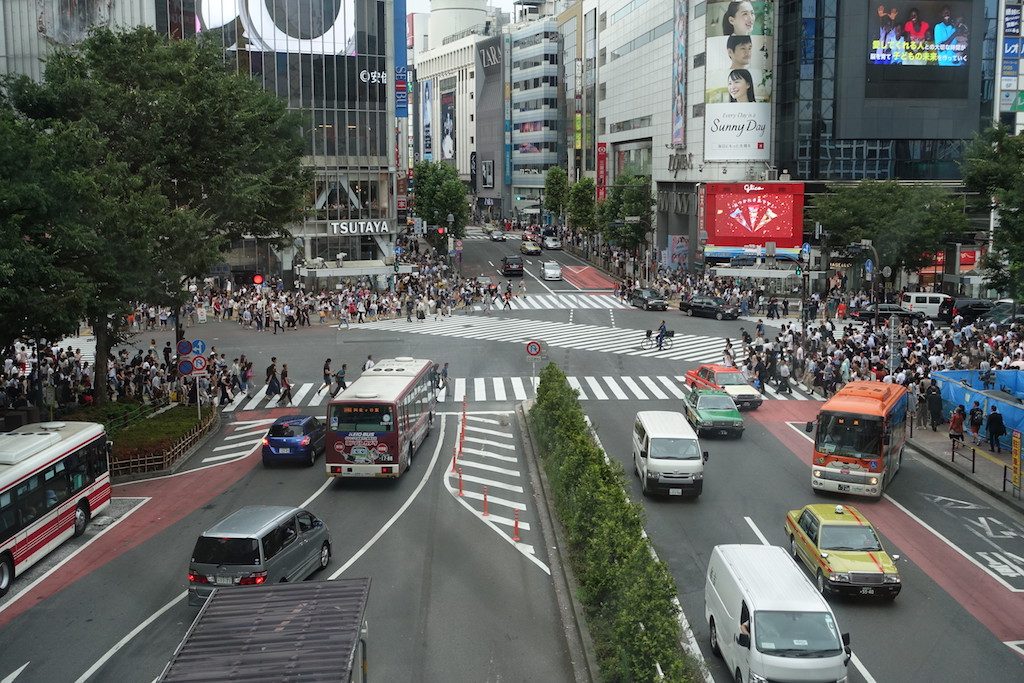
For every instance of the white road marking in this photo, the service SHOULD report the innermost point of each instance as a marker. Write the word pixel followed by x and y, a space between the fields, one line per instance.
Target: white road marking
pixel 301 393
pixel 227 456
pixel 217 449
pixel 658 393
pixel 596 389
pixel 575 384
pixel 757 532
pixel 495 500
pixel 488 454
pixel 316 494
pixel 670 386
pixel 484 430
pixel 485 420
pixel 488 442
pixel 261 421
pixel 619 393
pixel 260 395
pixel 235 436
pixel 499 388
pixel 17 672
pixel 634 387
pixel 235 402
pixel 319 396
pixel 491 482
pixel 460 389
pixel 463 462
pixel 518 390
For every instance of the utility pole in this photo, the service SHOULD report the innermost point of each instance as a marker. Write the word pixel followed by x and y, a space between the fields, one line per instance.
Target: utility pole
pixel 874 299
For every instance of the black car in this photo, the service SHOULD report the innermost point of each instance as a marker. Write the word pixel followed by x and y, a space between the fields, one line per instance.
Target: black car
pixel 709 307
pixel 970 309
pixel 512 265
pixel 649 300
pixel 886 311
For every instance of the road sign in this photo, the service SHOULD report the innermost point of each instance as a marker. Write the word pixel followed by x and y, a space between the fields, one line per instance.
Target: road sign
pixel 533 348
pixel 632 220
pixel 184 367
pixel 198 346
pixel 398 251
pixel 806 248
pixel 886 271
pixel 199 364
pixel 184 347
pixel 868 266
pixel 1015 454
pixel 458 245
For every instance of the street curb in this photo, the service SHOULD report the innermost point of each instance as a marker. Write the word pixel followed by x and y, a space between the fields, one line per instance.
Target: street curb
pixel 574 625
pixel 966 476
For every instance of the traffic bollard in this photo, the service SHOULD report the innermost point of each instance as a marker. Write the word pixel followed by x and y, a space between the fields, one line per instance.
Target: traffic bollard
pixel 455 456
pixel 515 527
pixel 460 483
pixel 485 501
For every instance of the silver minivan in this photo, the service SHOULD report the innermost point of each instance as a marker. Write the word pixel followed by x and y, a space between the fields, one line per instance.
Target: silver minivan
pixel 256 545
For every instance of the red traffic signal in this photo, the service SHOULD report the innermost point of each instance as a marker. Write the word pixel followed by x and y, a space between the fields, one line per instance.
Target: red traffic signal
pixel 440 231
pixel 257 279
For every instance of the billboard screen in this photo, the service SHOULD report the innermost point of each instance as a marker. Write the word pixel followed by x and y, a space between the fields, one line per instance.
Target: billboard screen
pixel 678 75
pixel 448 125
pixel 426 100
pixel 322 28
pixel 738 81
pixel 918 49
pixel 743 215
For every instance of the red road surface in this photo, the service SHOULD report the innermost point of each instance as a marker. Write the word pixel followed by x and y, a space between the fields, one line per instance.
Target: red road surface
pixel 981 595
pixel 587 277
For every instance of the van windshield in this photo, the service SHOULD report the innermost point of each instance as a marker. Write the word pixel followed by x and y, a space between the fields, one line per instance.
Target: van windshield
pixel 796 634
pixel 239 551
pixel 674 449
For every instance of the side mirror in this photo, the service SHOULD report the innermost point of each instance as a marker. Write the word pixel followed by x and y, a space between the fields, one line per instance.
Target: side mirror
pixel 885 439
pixel 846 640
pixel 705 456
pixel 809 427
pixel 743 640
pixel 643 454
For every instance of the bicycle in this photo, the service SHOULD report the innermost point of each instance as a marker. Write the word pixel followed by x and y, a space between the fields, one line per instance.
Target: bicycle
pixel 650 341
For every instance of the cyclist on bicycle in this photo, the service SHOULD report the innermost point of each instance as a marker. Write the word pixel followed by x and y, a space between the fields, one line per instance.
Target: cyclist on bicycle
pixel 662 331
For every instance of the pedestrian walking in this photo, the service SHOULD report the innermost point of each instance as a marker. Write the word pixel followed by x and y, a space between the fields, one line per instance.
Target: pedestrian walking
pixel 339 378
pixel 369 363
pixel 975 419
pixel 956 424
pixel 286 387
pixel 995 428
pixel 273 382
pixel 933 396
pixel 328 375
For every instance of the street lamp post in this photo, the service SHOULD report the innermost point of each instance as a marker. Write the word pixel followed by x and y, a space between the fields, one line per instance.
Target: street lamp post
pixel 451 221
pixel 874 299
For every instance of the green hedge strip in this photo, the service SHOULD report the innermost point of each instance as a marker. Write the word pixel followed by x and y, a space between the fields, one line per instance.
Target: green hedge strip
pixel 621 584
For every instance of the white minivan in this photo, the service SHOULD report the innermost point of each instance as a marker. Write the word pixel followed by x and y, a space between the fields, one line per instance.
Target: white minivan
pixel 667 455
pixel 768 621
pixel 925 302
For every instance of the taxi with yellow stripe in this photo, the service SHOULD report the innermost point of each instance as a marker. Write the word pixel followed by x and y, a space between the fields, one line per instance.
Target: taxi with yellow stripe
pixel 841 549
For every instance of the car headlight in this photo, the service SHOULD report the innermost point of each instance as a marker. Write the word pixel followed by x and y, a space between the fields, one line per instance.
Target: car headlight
pixel 873 481
pixel 892 578
pixel 817 474
pixel 697 476
pixel 755 678
pixel 703 423
pixel 839 577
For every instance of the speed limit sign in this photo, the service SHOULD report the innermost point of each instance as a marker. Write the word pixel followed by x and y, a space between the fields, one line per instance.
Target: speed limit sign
pixel 533 348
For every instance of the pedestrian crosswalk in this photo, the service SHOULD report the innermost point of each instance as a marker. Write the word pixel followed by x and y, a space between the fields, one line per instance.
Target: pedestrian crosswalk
pixel 622 341
pixel 87 344
pixel 513 389
pixel 557 302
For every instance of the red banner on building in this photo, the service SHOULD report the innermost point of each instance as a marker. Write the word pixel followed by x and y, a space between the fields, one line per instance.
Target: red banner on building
pixel 742 215
pixel 602 170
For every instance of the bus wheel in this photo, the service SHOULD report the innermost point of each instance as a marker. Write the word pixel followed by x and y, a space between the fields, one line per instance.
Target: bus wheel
pixel 81 518
pixel 6 574
pixel 410 457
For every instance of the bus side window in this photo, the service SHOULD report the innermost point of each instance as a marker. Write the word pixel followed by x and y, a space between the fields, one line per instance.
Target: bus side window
pixel 55 485
pixel 97 459
pixel 30 500
pixel 8 516
pixel 78 470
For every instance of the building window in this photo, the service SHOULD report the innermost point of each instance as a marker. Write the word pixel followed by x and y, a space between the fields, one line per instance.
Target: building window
pixel 698 110
pixel 602 57
pixel 631 124
pixel 699 60
pixel 602 92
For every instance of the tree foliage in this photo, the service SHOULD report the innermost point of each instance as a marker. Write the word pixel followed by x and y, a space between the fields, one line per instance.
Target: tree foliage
pixel 628 196
pixel 556 190
pixel 994 168
pixel 906 224
pixel 439 192
pixel 581 209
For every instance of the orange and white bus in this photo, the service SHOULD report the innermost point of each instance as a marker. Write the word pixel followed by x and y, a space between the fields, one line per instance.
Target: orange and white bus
pixel 376 425
pixel 859 439
pixel 54 476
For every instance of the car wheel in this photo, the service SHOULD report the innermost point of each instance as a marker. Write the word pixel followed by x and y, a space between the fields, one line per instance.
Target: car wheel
pixel 6 574
pixel 716 649
pixel 718 315
pixel 792 548
pixel 325 555
pixel 739 676
pixel 647 307
pixel 689 311
pixel 643 486
pixel 312 457
pixel 81 518
pixel 820 582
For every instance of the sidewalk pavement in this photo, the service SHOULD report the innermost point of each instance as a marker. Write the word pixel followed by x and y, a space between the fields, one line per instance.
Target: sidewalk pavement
pixel 989 468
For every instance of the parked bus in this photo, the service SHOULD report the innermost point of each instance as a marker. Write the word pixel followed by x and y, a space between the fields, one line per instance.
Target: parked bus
pixel 375 426
pixel 858 445
pixel 54 477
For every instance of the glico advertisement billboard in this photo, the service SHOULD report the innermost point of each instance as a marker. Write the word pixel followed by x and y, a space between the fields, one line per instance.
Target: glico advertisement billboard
pixel 740 218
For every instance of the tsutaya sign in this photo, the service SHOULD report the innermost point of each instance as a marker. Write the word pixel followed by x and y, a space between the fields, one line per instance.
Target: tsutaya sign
pixel 362 227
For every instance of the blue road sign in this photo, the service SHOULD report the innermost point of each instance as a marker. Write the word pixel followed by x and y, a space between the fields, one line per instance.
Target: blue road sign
pixel 398 251
pixel 184 347
pixel 806 248
pixel 185 367
pixel 198 346
pixel 868 266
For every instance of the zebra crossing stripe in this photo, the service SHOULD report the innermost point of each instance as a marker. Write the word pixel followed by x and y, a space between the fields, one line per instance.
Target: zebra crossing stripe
pixel 319 396
pixel 255 401
pixel 460 390
pixel 499 388
pixel 658 393
pixel 575 384
pixel 301 393
pixel 672 388
pixel 596 388
pixel 518 390
pixel 632 386
pixel 235 402
pixel 479 388
pixel 619 393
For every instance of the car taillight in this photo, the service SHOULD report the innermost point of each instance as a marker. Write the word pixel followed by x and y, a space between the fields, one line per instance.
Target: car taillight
pixel 305 441
pixel 254 579
pixel 266 441
pixel 197 578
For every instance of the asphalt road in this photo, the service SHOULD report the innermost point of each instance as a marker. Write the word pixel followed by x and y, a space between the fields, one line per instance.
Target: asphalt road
pixel 452 597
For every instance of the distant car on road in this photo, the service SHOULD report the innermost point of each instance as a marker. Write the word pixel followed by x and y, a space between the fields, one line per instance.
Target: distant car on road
pixel 709 307
pixel 742 261
pixel 727 379
pixel 512 265
pixel 529 235
pixel 713 412
pixel 294 438
pixel 529 248
pixel 886 311
pixel 550 270
pixel 552 243
pixel 649 300
pixel 484 281
pixel 498 236
pixel 969 309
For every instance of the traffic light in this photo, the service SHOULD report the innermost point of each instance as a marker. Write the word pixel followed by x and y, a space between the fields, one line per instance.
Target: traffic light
pixel 440 230
pixel 257 279
pixel 799 271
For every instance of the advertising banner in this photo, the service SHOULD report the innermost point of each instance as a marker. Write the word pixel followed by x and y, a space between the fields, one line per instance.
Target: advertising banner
pixel 678 252
pixel 1011 20
pixel 738 82
pixel 740 215
pixel 472 171
pixel 679 75
pixel 507 57
pixel 448 125
pixel 487 168
pixel 602 170
pixel 401 67
pixel 325 28
pixel 426 98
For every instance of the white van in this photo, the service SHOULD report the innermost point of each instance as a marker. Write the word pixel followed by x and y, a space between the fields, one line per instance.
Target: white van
pixel 926 302
pixel 667 455
pixel 768 621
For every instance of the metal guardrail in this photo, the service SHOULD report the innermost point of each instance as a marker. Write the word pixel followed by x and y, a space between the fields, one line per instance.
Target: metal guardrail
pixel 157 462
pixel 956 444
pixel 1007 483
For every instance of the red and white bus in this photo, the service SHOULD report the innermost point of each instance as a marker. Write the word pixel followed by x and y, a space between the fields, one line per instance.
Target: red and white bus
pixel 54 476
pixel 375 426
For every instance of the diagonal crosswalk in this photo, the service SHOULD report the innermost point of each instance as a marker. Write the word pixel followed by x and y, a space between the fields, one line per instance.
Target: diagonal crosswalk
pixel 557 302
pixel 622 341
pixel 508 389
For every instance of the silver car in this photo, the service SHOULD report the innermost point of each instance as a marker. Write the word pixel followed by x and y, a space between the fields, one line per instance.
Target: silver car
pixel 552 243
pixel 256 545
pixel 551 271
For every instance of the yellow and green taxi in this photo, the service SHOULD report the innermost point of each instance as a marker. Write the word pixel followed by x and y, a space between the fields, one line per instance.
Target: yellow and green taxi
pixel 841 549
pixel 713 412
pixel 529 248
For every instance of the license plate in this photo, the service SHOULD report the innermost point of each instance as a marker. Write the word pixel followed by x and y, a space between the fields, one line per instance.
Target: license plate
pixel 284 450
pixel 224 581
pixel 675 492
pixel 867 591
pixel 723 432
pixel 844 487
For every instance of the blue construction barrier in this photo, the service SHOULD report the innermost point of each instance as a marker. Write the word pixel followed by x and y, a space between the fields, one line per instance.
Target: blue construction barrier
pixel 964 387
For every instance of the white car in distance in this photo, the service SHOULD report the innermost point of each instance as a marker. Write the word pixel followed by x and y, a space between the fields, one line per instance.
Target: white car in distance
pixel 550 270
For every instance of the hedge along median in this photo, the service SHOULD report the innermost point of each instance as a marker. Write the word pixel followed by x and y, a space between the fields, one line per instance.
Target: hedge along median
pixel 626 593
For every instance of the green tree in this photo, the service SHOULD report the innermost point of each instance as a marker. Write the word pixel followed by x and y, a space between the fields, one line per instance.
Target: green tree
pixel 629 196
pixel 556 190
pixel 439 192
pixel 994 168
pixel 905 223
pixel 581 209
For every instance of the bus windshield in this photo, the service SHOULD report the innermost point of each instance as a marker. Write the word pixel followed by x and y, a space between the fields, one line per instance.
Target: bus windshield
pixel 849 435
pixel 796 634
pixel 362 417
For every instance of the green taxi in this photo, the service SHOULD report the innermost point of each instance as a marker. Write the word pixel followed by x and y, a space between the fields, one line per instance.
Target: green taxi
pixel 713 413
pixel 841 549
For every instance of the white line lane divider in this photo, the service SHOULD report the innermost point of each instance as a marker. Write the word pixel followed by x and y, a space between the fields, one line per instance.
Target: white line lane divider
pixel 15 674
pixel 868 678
